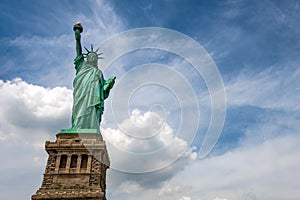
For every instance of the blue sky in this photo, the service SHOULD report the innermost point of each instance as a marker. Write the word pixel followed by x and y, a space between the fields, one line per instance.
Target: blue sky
pixel 255 46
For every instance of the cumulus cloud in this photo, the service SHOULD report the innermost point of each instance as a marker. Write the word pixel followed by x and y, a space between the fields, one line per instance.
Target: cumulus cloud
pixel 268 170
pixel 168 190
pixel 27 109
pixel 185 198
pixel 29 115
pixel 264 171
pixel 148 157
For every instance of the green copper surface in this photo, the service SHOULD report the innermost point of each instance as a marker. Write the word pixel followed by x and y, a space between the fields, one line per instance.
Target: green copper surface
pixel 90 89
pixel 71 131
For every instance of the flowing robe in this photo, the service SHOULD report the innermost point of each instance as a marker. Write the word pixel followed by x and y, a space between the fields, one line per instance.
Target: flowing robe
pixel 89 92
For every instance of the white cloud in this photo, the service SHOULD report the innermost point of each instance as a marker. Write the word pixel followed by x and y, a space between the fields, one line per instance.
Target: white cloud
pixel 27 109
pixel 194 155
pixel 140 154
pixel 265 171
pixel 185 198
pixel 129 187
pixel 146 139
pixel 39 161
pixel 29 115
pixel 218 198
pixel 271 88
pixel 168 190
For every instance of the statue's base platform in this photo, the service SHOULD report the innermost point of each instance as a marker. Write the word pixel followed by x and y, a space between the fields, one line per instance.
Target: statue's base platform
pixel 76 167
pixel 79 131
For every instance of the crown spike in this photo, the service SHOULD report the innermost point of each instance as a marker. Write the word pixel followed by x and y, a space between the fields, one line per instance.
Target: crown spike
pixel 97 50
pixel 87 50
pixel 92 47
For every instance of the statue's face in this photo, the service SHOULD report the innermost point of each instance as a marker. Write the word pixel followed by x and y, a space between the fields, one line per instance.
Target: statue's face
pixel 92 58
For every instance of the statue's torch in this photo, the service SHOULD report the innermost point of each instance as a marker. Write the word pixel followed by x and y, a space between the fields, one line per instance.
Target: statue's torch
pixel 78 26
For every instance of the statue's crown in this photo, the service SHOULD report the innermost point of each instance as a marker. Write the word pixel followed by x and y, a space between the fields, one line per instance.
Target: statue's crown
pixel 92 52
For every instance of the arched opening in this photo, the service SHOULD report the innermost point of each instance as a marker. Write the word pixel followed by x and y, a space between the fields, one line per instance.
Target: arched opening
pixel 84 160
pixel 73 161
pixel 63 161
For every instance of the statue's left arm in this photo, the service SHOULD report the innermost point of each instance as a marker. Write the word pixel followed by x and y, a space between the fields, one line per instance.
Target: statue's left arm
pixel 108 84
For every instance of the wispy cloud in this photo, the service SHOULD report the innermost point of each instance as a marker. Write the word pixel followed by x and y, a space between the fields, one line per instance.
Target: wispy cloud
pixel 271 88
pixel 48 60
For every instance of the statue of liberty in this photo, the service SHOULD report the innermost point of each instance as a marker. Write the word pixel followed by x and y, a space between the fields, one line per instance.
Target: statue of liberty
pixel 90 89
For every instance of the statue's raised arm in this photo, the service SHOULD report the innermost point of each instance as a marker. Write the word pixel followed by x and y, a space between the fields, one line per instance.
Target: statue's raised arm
pixel 78 29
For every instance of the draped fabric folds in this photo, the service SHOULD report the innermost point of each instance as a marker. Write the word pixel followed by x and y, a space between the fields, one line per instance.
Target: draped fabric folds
pixel 89 92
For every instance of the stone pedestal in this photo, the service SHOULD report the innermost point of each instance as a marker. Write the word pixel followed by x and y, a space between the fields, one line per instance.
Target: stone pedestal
pixel 76 167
